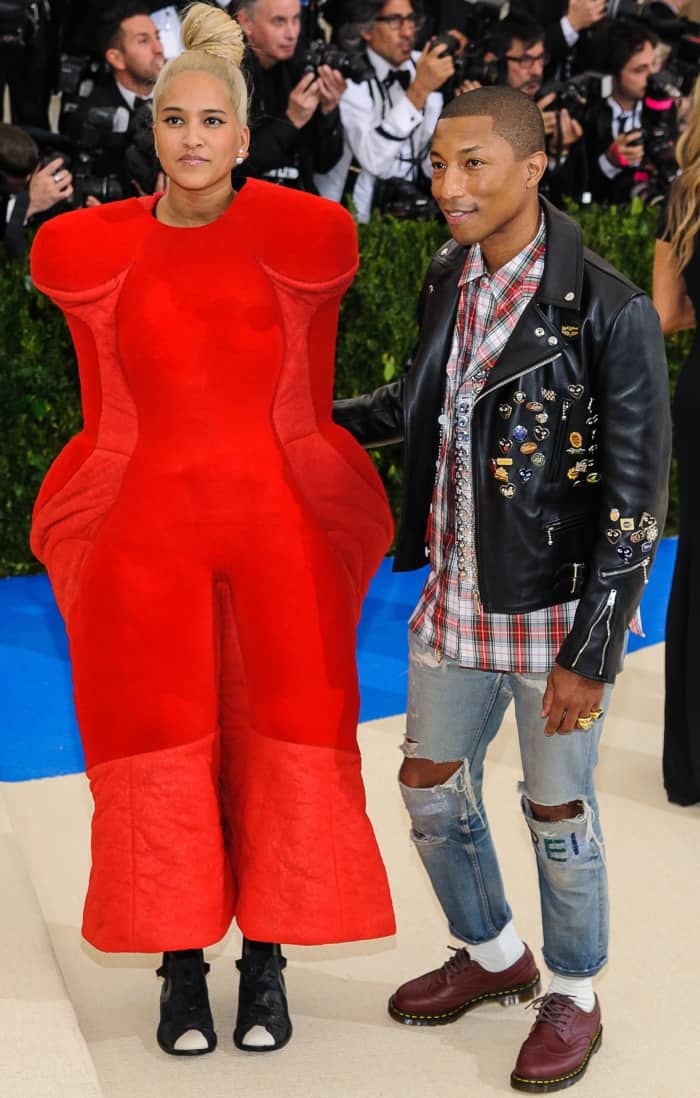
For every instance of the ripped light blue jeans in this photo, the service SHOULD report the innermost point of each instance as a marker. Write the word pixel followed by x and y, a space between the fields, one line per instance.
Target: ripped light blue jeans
pixel 454 713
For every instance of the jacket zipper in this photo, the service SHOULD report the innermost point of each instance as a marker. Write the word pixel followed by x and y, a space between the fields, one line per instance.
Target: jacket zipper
pixel 608 605
pixel 563 524
pixel 484 392
pixel 643 564
pixel 577 565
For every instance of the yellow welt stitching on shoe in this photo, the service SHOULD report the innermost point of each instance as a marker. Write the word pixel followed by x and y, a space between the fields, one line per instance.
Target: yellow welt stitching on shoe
pixel 560 1078
pixel 476 999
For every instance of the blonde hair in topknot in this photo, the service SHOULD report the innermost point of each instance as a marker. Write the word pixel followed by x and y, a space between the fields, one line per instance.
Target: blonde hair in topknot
pixel 214 43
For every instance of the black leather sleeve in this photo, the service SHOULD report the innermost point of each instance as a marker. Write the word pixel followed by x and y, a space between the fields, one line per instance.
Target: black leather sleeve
pixel 635 441
pixel 375 419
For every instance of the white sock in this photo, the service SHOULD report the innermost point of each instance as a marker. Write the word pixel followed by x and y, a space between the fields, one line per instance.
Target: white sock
pixel 499 953
pixel 578 988
pixel 191 1040
pixel 258 1037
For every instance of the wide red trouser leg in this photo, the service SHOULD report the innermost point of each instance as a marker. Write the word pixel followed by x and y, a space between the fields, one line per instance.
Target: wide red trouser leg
pixel 305 858
pixel 144 654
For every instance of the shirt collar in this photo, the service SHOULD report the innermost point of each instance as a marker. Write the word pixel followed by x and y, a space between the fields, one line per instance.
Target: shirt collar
pixel 617 109
pixel 129 97
pixel 382 67
pixel 475 265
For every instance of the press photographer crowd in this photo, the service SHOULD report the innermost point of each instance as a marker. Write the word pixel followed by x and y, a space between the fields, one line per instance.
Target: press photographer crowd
pixel 345 95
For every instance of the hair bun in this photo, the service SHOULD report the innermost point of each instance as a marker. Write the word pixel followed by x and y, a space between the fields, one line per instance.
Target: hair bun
pixel 211 30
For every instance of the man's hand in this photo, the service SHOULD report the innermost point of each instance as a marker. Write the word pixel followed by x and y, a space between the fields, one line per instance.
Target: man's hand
pixel 431 73
pixel 331 85
pixel 559 125
pixel 548 117
pixel 584 13
pixel 467 86
pixel 627 149
pixel 47 186
pixel 568 696
pixel 161 184
pixel 303 100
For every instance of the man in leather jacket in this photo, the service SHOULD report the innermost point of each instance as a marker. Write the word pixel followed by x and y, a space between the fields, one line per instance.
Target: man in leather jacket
pixel 536 425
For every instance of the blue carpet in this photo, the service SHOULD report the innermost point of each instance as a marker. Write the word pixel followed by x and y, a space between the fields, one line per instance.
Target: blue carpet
pixel 39 737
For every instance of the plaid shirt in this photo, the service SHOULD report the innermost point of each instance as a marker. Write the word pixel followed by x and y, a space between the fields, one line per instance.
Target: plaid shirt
pixel 448 616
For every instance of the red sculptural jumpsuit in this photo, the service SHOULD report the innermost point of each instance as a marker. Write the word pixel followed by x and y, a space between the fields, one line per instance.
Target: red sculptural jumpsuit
pixel 209 536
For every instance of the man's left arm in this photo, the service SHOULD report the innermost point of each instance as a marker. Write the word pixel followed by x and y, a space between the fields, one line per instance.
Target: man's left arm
pixel 634 438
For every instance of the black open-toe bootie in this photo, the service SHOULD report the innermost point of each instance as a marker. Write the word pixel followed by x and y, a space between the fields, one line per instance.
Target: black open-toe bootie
pixel 263 1023
pixel 186 1025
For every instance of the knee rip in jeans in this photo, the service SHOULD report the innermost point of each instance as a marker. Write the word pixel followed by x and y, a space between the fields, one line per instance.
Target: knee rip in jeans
pixel 454 798
pixel 564 843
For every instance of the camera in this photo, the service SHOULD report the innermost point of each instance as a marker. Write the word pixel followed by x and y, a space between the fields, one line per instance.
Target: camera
pixel 473 66
pixel 78 74
pixel 353 66
pixel 450 43
pixel 85 181
pixel 622 9
pixel 659 130
pixel 575 94
pixel 404 199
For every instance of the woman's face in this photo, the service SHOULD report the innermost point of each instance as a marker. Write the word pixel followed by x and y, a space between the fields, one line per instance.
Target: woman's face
pixel 197 133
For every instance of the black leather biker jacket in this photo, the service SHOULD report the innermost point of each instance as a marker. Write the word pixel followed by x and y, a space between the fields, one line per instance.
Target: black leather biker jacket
pixel 588 348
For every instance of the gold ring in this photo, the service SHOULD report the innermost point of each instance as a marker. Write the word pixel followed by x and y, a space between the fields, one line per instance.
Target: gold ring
pixel 587 721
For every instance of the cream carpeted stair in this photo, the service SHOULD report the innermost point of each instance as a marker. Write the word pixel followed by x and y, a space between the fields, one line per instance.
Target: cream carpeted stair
pixel 43 1053
pixel 345 1045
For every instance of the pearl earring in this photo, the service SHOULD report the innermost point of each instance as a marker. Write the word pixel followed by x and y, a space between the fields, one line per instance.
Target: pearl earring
pixel 239 159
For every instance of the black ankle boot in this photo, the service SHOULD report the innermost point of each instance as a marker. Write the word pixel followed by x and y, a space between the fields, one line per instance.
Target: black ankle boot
pixel 184 1001
pixel 262 997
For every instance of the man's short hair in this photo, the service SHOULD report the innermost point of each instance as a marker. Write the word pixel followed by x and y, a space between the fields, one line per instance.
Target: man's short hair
pixel 19 154
pixel 500 37
pixel 516 117
pixel 110 31
pixel 358 17
pixel 615 41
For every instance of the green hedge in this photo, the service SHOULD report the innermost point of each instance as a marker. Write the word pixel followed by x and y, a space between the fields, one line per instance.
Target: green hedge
pixel 39 395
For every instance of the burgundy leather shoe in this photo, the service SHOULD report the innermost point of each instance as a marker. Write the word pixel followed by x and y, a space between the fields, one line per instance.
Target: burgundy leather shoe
pixel 560 1044
pixel 444 994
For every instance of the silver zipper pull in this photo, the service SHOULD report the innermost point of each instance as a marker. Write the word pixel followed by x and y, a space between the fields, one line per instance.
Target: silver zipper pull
pixel 645 569
pixel 550 539
pixel 573 582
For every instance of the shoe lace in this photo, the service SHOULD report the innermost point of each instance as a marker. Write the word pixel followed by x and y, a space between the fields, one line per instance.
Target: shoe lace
pixel 457 963
pixel 554 1008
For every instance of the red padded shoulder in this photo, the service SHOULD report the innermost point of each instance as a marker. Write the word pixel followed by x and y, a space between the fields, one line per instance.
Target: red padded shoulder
pixel 86 248
pixel 299 235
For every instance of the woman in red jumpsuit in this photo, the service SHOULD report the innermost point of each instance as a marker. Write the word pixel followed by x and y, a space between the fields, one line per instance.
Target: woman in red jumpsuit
pixel 209 536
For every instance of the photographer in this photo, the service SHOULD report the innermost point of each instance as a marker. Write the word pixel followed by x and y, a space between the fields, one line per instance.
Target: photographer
pixel 389 119
pixel 615 150
pixel 27 33
pixel 294 118
pixel 29 191
pixel 514 53
pixel 129 43
pixel 565 35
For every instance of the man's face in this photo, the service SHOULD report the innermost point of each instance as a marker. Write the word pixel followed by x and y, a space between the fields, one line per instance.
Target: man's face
pixel 272 28
pixel 393 33
pixel 525 66
pixel 631 81
pixel 140 54
pixel 478 184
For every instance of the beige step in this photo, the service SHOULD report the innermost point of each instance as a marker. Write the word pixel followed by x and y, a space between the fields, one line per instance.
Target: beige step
pixel 43 1053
